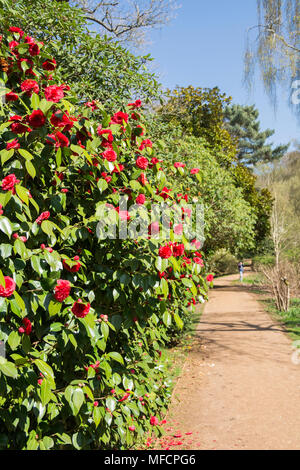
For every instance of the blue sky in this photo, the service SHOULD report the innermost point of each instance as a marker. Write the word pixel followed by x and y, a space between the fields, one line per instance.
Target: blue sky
pixel 204 46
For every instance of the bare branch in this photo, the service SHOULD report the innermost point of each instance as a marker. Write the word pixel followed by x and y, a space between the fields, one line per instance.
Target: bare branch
pixel 128 20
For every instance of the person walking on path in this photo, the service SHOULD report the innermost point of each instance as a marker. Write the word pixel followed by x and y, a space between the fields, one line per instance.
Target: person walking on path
pixel 241 270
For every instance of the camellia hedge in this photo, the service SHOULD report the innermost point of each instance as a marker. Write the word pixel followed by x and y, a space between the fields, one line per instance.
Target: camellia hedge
pixel 83 318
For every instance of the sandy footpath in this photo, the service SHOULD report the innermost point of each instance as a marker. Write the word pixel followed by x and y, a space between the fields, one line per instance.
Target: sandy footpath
pixel 239 388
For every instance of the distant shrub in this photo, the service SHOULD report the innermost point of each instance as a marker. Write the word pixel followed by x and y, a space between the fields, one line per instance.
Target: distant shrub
pixel 222 262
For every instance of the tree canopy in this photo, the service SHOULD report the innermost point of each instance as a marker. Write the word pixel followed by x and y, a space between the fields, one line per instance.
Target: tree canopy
pixel 274 44
pixel 252 147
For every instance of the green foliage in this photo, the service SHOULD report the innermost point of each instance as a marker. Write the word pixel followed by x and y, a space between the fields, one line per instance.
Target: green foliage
pixel 83 316
pixel 95 67
pixel 229 218
pixel 222 262
pixel 200 112
pixel 260 200
pixel 243 125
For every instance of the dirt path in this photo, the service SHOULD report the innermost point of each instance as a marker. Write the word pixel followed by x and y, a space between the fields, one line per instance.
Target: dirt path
pixel 239 388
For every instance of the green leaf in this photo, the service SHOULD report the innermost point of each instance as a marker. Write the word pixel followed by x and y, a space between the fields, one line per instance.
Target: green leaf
pixel 5 226
pixel 111 403
pixel 77 400
pixel 22 193
pixel 116 357
pixel 178 321
pixel 6 155
pixel 30 168
pixel 102 185
pixel 104 330
pixel 35 101
pixel 25 154
pixel 54 308
pixel 20 301
pixel 9 369
pixel 47 227
pixel 46 370
pixel 97 415
pixel 45 392
pixel 167 318
pixel 20 248
pixel 2 280
pixel 14 340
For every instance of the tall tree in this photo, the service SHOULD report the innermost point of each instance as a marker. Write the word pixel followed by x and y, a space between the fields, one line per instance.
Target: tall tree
pixel 276 44
pixel 243 125
pixel 96 68
pixel 200 112
pixel 127 20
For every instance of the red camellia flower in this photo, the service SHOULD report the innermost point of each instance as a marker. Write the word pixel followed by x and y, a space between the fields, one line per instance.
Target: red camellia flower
pixel 153 228
pixel 198 260
pixel 165 251
pixel 136 104
pixel 37 119
pixel 30 87
pixel 125 397
pixel 15 29
pixel 119 117
pixel 179 165
pixel 62 290
pixel 12 46
pixel 29 62
pixel 178 250
pixel 209 278
pixel 196 244
pixel 154 421
pixel 142 163
pixel 44 216
pixel 131 428
pixel 9 182
pixel 17 127
pixel 178 229
pixel 54 93
pixel 58 140
pixel 109 155
pixel 72 269
pixel 194 171
pixel 49 64
pixel 11 96
pixel 29 40
pixel 91 104
pixel 80 309
pixel 124 215
pixel 62 120
pixel 34 49
pixel 14 144
pixel 142 179
pixel 145 143
pixel 141 199
pixel 27 328
pixel 164 192
pixel 9 288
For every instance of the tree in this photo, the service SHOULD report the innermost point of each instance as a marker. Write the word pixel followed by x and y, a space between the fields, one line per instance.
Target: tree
pixel 200 112
pixel 127 20
pixel 276 47
pixel 96 68
pixel 243 125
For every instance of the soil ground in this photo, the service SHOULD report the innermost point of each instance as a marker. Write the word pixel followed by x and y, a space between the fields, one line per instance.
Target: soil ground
pixel 239 388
